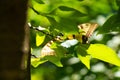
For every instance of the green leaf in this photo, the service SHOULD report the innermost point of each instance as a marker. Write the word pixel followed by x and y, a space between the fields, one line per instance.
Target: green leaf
pixel 55 60
pixel 83 55
pixel 63 24
pixel 47 7
pixel 118 2
pixel 59 53
pixel 68 12
pixel 37 61
pixel 77 5
pixel 39 1
pixel 112 24
pixel 81 49
pixel 67 25
pixel 64 8
pixel 52 20
pixel 85 60
pixel 37 20
pixel 36 51
pixel 32 38
pixel 103 53
pixel 39 39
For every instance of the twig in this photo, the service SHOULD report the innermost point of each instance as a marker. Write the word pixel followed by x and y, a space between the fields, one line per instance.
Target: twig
pixel 38 29
pixel 35 10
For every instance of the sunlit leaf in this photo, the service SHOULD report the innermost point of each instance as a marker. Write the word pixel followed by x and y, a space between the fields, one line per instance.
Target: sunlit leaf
pixel 103 53
pixel 47 7
pixel 31 49
pixel 39 39
pixel 37 20
pixel 55 60
pixel 37 61
pixel 85 60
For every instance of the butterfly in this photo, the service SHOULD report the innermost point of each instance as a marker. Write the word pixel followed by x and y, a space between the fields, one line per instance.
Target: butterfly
pixel 85 31
pixel 47 51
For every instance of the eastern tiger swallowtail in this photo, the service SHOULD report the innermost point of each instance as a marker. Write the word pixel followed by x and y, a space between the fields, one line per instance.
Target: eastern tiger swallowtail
pixel 47 51
pixel 86 31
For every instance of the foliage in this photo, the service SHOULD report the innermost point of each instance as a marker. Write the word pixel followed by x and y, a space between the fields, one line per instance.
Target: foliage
pixel 50 18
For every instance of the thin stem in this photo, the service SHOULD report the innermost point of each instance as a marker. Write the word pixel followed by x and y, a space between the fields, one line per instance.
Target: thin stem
pixel 35 10
pixel 36 28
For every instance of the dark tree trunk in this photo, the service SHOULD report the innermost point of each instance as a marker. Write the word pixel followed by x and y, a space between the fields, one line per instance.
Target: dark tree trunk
pixel 14 45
